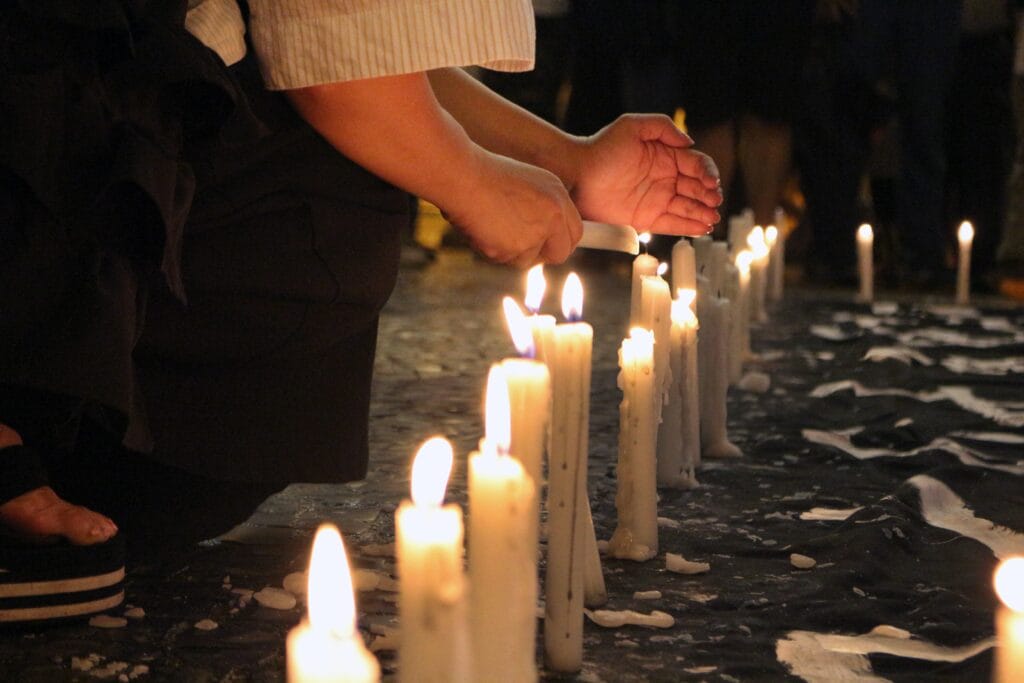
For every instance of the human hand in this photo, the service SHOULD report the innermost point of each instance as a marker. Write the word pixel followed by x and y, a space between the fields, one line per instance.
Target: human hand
pixel 642 171
pixel 515 213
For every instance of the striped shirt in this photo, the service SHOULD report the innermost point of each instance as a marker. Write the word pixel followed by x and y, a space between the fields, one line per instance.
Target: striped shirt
pixel 300 43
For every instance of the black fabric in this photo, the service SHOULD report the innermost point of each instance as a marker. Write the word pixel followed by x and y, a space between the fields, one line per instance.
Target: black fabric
pixel 290 252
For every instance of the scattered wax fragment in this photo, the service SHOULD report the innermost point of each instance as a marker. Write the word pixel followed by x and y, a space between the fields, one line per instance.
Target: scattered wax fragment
pixel 107 621
pixel 275 598
pixel 206 625
pixel 295 583
pixel 802 561
pixel 135 613
pixel 647 595
pixel 680 565
pixel 615 619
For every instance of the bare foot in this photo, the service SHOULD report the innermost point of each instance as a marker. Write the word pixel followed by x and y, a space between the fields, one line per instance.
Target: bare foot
pixel 41 513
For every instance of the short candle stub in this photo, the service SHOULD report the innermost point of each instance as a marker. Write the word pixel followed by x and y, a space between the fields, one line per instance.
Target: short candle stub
pixel 1009 583
pixel 572 298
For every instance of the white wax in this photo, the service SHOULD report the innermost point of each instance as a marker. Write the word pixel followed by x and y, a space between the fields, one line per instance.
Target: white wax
pixel 656 315
pixel 679 432
pixel 502 569
pixel 757 311
pixel 714 313
pixel 716 266
pixel 643 265
pixel 431 597
pixel 739 329
pixel 965 237
pixel 324 656
pixel 776 265
pixel 739 230
pixel 595 594
pixel 543 328
pixel 570 366
pixel 1009 664
pixel 529 397
pixel 865 262
pixel 684 266
pixel 636 499
pixel 702 253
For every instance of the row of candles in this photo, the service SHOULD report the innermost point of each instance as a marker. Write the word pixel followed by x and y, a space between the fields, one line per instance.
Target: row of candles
pixel 866 267
pixel 482 625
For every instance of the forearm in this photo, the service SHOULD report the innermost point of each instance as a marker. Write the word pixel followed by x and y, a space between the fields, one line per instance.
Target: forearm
pixel 505 128
pixel 395 128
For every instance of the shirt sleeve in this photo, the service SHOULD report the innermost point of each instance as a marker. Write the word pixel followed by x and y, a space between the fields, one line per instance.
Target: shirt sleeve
pixel 218 24
pixel 301 43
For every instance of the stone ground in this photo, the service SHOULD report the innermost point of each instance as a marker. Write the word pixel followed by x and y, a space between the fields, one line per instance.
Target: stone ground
pixel 441 331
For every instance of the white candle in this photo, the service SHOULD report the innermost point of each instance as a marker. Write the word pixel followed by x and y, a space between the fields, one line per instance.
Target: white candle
pixel 713 314
pixel 431 597
pixel 656 315
pixel 776 261
pixel 326 647
pixel 1009 659
pixel 758 275
pixel 679 432
pixel 739 329
pixel 739 230
pixel 702 253
pixel 542 326
pixel 715 271
pixel 643 265
pixel 964 236
pixel 865 262
pixel 684 266
pixel 572 556
pixel 529 389
pixel 502 551
pixel 636 498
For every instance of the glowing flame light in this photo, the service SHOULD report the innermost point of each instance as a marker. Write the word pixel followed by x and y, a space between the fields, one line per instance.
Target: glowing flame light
pixel 965 233
pixel 743 261
pixel 645 238
pixel 332 606
pixel 662 268
pixel 535 287
pixel 572 298
pixel 865 233
pixel 687 296
pixel 756 242
pixel 1009 583
pixel 430 470
pixel 518 327
pixel 682 314
pixel 497 411
pixel 771 235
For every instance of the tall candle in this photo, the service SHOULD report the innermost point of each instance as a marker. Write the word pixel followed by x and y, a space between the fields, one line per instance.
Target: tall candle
pixel 529 392
pixel 964 236
pixel 643 265
pixel 326 647
pixel 567 504
pixel 713 314
pixel 739 230
pixel 502 550
pixel 542 326
pixel 702 253
pixel 656 315
pixel 865 262
pixel 1009 659
pixel 679 431
pixel 776 261
pixel 739 330
pixel 684 266
pixel 431 596
pixel 636 498
pixel 717 259
pixel 758 275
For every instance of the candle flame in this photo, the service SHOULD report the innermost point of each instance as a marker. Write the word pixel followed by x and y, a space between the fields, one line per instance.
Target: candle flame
pixel 743 261
pixel 641 338
pixel 965 233
pixel 1009 583
pixel 865 233
pixel 518 327
pixel 645 238
pixel 497 411
pixel 771 235
pixel 572 298
pixel 756 242
pixel 662 268
pixel 430 470
pixel 682 314
pixel 535 287
pixel 332 606
pixel 687 296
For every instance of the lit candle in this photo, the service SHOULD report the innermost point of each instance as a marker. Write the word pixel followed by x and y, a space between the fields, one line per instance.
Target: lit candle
pixel 542 326
pixel 502 550
pixel 758 275
pixel 431 597
pixel 713 314
pixel 776 261
pixel 643 265
pixel 739 231
pixel 739 329
pixel 1009 583
pixel 326 647
pixel 684 266
pixel 702 253
pixel 715 271
pixel 572 560
pixel 865 262
pixel 965 236
pixel 656 315
pixel 636 498
pixel 679 432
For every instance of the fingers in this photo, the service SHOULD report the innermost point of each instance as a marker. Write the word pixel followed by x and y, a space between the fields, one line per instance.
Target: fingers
pixel 687 207
pixel 694 188
pixel 698 165
pixel 660 128
pixel 671 224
